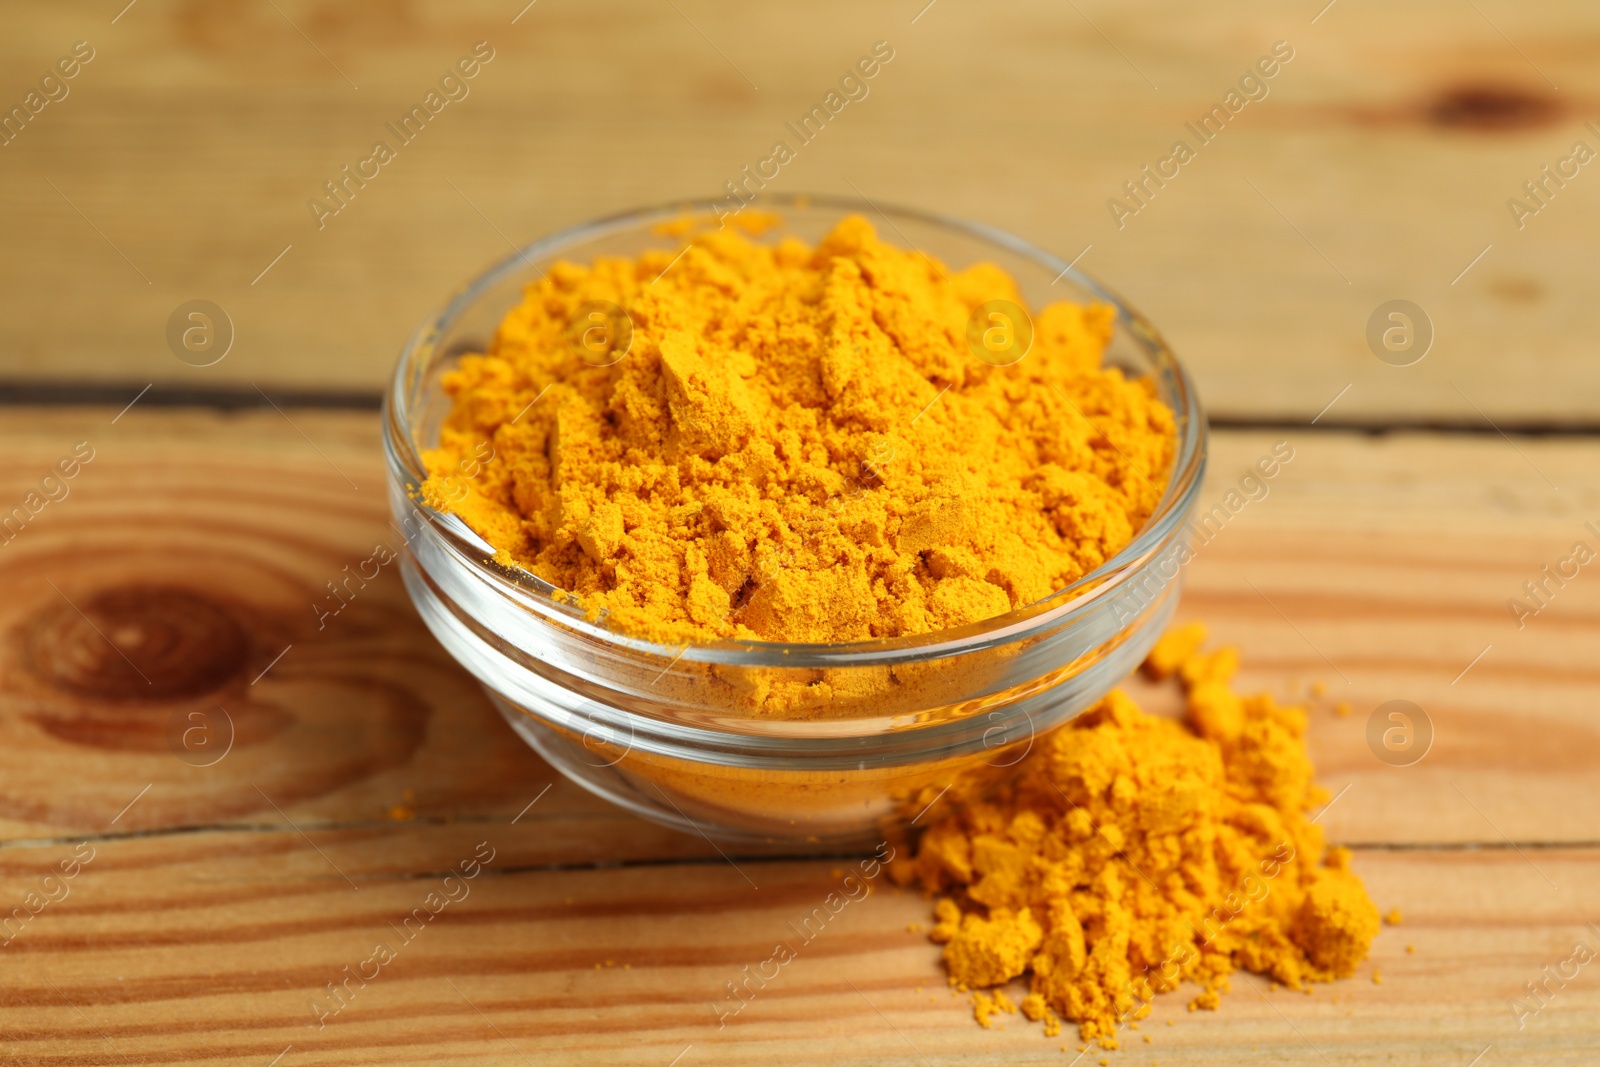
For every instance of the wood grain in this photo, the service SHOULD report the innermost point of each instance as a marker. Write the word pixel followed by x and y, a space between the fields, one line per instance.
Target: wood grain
pixel 1379 167
pixel 220 946
pixel 1378 566
pixel 1382 567
pixel 220 900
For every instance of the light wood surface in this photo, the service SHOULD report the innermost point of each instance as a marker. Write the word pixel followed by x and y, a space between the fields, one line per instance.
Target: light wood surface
pixel 208 948
pixel 1378 167
pixel 219 900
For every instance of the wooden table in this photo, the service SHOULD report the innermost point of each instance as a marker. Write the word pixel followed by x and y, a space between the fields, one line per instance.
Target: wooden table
pixel 210 904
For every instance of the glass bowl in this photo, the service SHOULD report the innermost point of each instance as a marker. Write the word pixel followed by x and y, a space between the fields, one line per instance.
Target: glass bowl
pixel 675 733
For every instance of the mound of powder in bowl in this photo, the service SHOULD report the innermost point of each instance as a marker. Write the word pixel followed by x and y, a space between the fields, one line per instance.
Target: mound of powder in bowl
pixel 786 443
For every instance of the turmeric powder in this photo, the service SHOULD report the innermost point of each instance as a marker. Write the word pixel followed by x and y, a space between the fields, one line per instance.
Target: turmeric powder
pixel 785 443
pixel 1135 852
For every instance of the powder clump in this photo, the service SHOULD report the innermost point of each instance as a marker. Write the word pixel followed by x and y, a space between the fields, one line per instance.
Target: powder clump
pixel 779 442
pixel 1136 852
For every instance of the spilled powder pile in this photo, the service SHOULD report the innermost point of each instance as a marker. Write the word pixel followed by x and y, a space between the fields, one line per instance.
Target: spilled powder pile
pixel 789 443
pixel 1135 852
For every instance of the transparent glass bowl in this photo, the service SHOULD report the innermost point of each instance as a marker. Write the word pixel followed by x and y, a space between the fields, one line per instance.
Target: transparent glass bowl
pixel 671 732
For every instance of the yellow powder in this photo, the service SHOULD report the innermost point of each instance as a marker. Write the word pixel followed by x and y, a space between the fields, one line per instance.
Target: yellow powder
pixel 1135 852
pixel 789 443
pixel 985 1005
pixel 1174 648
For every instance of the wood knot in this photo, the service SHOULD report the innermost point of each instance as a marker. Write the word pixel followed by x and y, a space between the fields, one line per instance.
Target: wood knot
pixel 136 643
pixel 1492 108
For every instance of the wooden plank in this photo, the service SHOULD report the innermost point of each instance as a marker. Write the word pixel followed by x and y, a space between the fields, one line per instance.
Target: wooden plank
pixel 219 946
pixel 1391 557
pixel 1382 567
pixel 1381 164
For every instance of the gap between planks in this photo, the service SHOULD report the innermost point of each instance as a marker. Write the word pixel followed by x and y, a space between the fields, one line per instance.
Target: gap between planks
pixel 668 861
pixel 18 393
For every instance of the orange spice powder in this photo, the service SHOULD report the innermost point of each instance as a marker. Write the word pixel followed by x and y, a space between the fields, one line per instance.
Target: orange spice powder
pixel 1135 853
pixel 789 443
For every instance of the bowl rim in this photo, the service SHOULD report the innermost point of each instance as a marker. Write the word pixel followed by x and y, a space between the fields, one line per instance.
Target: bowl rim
pixel 405 463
